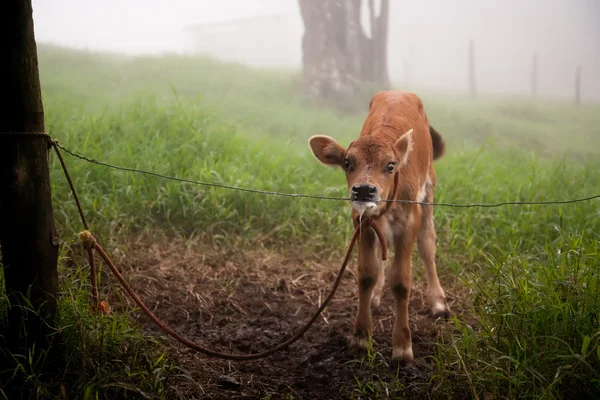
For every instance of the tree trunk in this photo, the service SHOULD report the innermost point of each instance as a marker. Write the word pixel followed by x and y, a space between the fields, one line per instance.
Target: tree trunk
pixel 379 41
pixel 338 57
pixel 27 233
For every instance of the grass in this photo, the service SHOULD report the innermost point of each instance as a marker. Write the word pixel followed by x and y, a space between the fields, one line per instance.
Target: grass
pixel 91 357
pixel 539 324
pixel 532 269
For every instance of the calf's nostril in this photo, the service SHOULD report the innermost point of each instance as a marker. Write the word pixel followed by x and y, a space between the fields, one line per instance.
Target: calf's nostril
pixel 363 192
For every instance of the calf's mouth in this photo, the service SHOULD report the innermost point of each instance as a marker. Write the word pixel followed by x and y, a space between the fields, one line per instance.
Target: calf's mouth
pixel 364 199
pixel 365 208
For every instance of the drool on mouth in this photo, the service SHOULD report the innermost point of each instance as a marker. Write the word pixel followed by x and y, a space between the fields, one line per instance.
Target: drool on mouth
pixel 364 207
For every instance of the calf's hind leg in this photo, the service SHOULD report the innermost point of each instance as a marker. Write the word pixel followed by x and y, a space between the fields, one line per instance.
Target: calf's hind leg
pixel 426 245
pixel 378 290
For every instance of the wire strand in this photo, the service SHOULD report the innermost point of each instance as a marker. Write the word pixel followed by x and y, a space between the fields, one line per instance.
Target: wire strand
pixel 300 195
pixel 293 195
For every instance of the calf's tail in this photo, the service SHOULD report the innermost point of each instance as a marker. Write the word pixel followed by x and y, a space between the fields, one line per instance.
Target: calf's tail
pixel 439 146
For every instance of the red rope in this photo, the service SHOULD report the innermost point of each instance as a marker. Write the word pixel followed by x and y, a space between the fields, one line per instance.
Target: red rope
pixel 90 243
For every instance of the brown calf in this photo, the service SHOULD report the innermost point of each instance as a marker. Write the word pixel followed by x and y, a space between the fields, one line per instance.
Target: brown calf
pixel 396 139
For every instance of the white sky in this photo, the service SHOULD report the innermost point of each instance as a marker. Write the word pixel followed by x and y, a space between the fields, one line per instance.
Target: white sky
pixel 136 26
pixel 431 34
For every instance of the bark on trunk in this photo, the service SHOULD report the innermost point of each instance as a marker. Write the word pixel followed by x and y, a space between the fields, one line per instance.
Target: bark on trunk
pixel 28 236
pixel 338 57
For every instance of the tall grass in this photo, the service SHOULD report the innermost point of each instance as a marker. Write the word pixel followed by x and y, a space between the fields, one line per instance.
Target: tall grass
pixel 532 269
pixel 91 356
pixel 538 334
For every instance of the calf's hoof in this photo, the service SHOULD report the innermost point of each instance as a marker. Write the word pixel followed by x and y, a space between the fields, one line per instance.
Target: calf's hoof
pixel 359 342
pixel 402 358
pixel 441 311
pixel 376 302
pixel 361 334
pixel 444 313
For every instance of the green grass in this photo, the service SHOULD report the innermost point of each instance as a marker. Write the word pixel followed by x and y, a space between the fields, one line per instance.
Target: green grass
pixel 532 269
pixel 92 356
pixel 539 332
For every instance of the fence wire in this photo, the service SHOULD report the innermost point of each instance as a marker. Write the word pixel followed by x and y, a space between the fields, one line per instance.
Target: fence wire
pixel 309 196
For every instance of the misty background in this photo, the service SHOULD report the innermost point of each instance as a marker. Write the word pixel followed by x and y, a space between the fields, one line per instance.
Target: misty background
pixel 428 40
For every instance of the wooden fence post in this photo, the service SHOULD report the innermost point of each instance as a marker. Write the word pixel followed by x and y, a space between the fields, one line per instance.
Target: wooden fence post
pixel 534 74
pixel 27 234
pixel 578 85
pixel 471 61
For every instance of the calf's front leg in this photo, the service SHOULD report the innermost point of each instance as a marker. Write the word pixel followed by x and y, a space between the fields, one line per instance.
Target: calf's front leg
pixel 401 283
pixel 369 276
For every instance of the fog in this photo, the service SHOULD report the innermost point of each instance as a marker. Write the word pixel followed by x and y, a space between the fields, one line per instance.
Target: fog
pixel 428 40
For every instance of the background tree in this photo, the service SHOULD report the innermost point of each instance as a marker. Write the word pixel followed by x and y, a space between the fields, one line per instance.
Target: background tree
pixel 339 59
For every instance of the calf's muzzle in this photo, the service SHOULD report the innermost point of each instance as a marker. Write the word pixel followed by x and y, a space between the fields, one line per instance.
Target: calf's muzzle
pixel 363 192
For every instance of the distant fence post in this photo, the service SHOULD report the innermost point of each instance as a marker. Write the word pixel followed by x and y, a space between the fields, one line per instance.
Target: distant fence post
pixel 534 75
pixel 578 85
pixel 472 83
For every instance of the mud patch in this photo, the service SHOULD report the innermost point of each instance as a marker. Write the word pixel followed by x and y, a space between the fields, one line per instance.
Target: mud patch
pixel 244 301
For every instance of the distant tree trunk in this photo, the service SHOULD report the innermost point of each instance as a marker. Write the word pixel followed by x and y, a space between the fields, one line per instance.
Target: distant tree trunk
pixel 27 234
pixel 338 57
pixel 379 41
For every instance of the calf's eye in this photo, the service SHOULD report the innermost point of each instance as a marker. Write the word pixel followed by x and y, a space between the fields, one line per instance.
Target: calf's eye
pixel 346 164
pixel 390 167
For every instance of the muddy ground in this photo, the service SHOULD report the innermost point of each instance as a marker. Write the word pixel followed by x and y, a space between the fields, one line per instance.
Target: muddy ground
pixel 246 301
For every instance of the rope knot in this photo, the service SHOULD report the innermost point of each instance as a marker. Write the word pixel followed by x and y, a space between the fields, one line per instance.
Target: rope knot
pixel 369 222
pixel 87 240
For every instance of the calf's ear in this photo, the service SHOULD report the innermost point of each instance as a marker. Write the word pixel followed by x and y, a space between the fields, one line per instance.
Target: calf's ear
pixel 327 150
pixel 404 146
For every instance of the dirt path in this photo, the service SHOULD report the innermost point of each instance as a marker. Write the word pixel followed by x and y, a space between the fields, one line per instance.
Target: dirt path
pixel 247 301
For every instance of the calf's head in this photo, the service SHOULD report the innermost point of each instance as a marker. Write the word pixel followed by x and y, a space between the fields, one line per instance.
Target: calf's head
pixel 370 164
